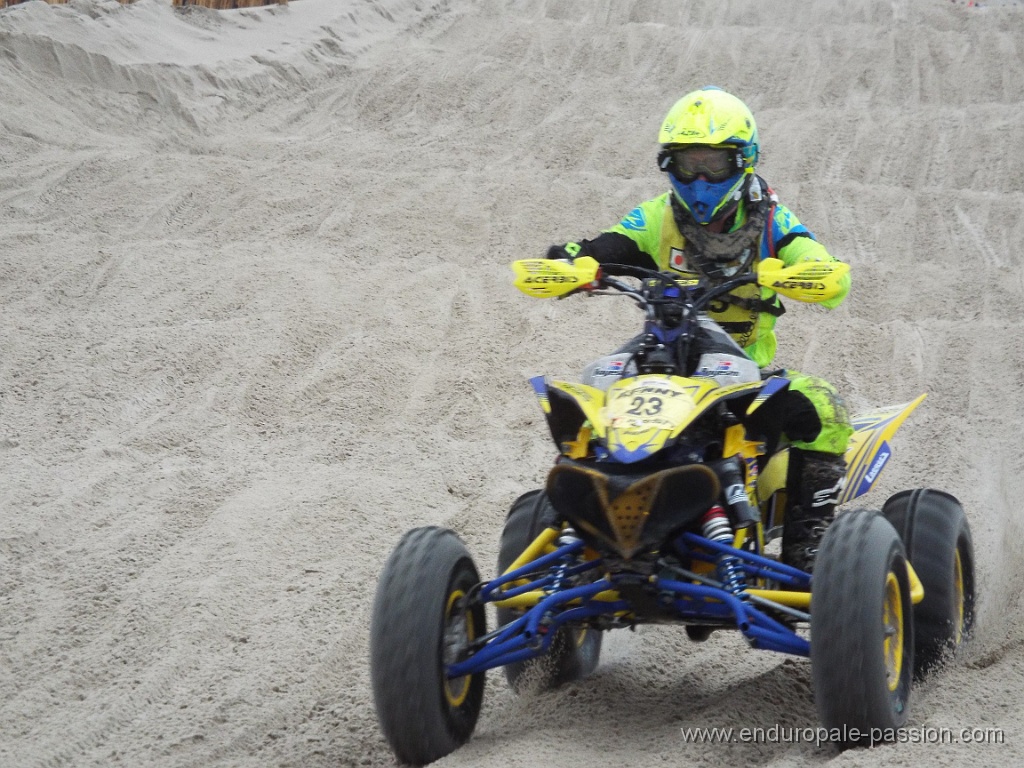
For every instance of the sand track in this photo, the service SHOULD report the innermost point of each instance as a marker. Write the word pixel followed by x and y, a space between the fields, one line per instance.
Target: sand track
pixel 257 322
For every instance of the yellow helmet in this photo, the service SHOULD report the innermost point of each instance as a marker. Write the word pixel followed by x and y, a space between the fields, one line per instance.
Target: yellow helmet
pixel 709 147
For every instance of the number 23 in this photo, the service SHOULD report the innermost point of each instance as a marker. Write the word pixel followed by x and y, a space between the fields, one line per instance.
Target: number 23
pixel 653 406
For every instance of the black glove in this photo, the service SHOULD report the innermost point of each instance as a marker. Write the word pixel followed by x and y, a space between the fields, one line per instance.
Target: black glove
pixel 558 252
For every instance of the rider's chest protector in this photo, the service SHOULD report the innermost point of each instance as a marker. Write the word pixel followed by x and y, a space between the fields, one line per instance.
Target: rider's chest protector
pixel 738 315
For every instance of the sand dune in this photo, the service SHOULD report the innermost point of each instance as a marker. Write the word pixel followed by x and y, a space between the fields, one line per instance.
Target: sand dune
pixel 257 321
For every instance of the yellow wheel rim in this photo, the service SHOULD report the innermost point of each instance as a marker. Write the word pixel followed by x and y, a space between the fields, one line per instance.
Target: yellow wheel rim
pixel 958 597
pixel 457 689
pixel 892 624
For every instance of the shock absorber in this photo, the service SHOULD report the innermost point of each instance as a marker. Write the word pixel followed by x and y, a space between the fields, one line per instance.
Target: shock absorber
pixel 716 526
pixel 567 536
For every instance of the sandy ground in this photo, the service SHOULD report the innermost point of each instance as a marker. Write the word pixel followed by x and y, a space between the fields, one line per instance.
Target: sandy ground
pixel 256 321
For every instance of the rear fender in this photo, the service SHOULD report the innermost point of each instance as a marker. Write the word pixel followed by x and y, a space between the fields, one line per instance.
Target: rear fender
pixel 869 449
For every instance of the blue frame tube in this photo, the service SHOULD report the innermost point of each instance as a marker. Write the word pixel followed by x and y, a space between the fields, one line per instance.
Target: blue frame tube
pixel 537 613
pixel 768 567
pixel 517 641
pixel 543 581
pixel 514 642
pixel 752 622
pixel 534 565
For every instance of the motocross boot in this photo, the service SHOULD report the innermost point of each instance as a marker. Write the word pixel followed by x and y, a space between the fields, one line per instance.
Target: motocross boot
pixel 815 482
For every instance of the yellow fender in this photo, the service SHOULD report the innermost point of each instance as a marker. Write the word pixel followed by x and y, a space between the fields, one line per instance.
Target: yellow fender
pixel 869 449
pixel 866 455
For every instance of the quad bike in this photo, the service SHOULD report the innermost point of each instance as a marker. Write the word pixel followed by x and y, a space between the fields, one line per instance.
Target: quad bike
pixel 661 508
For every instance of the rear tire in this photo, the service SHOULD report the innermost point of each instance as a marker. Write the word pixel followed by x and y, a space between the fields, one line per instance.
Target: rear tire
pixel 862 630
pixel 574 652
pixel 935 533
pixel 419 620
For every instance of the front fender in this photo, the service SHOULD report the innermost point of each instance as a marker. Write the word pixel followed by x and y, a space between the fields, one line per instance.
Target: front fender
pixel 567 406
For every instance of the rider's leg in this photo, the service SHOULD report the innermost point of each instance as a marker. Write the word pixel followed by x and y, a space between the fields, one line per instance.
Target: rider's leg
pixel 815 481
pixel 817 424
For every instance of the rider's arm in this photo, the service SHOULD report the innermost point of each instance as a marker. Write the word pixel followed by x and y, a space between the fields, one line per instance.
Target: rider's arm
pixel 631 241
pixel 606 248
pixel 794 244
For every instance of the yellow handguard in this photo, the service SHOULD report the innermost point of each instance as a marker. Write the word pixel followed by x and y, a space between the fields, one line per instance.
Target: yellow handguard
pixel 810 281
pixel 547 278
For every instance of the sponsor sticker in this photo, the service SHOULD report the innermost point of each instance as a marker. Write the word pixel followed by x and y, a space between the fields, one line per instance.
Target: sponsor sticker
pixel 614 368
pixel 877 466
pixel 722 368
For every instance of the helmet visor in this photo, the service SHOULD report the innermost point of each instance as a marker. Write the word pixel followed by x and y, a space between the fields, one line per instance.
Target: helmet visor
pixel 713 163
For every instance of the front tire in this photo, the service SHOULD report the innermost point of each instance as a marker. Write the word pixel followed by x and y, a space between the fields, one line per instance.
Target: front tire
pixel 934 530
pixel 420 622
pixel 574 652
pixel 862 629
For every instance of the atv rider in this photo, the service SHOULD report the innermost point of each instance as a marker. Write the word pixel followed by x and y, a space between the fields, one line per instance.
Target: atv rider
pixel 719 221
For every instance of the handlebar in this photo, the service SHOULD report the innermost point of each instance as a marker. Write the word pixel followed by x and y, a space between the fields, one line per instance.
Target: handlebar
pixel 672 304
pixel 699 294
pixel 811 281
